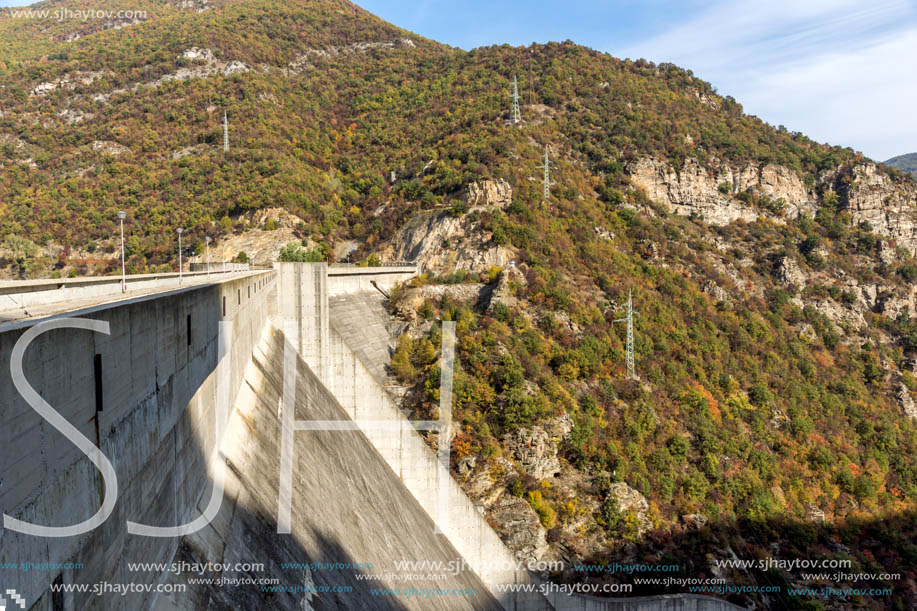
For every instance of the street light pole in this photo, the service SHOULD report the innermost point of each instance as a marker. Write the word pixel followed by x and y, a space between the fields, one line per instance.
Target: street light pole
pixel 207 248
pixel 121 215
pixel 223 256
pixel 179 254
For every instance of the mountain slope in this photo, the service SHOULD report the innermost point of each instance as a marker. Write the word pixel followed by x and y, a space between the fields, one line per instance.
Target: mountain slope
pixel 773 275
pixel 905 163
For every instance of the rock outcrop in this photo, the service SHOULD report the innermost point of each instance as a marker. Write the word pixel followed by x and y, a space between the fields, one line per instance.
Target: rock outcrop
pixel 889 206
pixel 489 193
pixel 631 500
pixel 505 290
pixel 534 450
pixel 788 273
pixel 711 193
pixel 519 527
pixel 906 401
pixel 442 243
pixel 68 81
pixel 412 299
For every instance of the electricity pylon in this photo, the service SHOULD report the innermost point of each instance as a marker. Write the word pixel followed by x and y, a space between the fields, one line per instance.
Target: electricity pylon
pixel 547 174
pixel 517 116
pixel 225 133
pixel 629 359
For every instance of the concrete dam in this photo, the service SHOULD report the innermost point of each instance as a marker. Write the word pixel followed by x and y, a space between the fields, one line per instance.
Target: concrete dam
pixel 229 443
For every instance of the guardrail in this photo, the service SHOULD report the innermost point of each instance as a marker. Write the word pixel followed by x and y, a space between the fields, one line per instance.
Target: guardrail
pixel 19 287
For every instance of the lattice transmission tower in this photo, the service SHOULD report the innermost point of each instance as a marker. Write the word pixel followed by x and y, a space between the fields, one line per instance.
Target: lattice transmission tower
pixel 547 174
pixel 517 115
pixel 629 359
pixel 225 133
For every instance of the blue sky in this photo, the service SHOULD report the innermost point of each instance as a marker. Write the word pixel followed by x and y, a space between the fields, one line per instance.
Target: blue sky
pixel 840 71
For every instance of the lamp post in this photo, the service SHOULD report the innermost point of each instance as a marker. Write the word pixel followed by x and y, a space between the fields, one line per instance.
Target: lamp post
pixel 223 256
pixel 179 254
pixel 121 215
pixel 207 248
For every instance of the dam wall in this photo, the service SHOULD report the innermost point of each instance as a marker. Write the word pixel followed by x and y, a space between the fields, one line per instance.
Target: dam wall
pixel 333 346
pixel 145 394
pixel 347 509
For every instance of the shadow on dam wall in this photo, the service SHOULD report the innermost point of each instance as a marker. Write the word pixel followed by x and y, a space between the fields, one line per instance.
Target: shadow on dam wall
pixel 151 409
pixel 145 395
pixel 347 508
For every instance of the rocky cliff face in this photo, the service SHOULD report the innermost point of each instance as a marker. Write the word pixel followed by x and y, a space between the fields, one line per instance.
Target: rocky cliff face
pixel 440 242
pixel 711 193
pixel 874 197
pixel 888 205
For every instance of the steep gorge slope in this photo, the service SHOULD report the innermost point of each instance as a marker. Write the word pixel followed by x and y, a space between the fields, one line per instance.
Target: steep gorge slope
pixel 773 276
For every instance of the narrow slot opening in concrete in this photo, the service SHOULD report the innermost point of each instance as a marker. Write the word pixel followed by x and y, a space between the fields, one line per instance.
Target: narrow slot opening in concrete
pixel 97 367
pixel 188 324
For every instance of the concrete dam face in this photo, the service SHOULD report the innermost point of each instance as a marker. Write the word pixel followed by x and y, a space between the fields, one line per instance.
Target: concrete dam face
pixel 230 445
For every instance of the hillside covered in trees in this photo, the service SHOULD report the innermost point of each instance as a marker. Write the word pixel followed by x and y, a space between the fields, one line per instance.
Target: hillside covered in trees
pixel 905 163
pixel 775 347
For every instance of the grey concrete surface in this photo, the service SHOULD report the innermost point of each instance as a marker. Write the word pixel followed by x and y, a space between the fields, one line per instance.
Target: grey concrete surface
pixel 157 426
pixel 348 507
pixel 38 298
pixel 361 319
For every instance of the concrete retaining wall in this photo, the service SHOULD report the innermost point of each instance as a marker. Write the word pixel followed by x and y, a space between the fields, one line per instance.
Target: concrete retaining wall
pixel 347 507
pixel 157 426
pixel 344 279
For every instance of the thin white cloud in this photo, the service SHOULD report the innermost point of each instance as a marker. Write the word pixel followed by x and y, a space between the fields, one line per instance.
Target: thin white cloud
pixel 835 70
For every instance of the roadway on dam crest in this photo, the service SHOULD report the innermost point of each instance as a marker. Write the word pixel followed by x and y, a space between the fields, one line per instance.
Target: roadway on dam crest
pixel 31 306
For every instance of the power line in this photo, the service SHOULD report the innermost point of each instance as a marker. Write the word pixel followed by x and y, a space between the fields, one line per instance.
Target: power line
pixel 629 358
pixel 225 133
pixel 517 115
pixel 547 174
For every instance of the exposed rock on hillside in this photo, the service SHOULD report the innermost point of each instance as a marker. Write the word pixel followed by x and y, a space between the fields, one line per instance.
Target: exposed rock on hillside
pixel 487 193
pixel 711 193
pixel 511 280
pixel 534 450
pixel 871 196
pixel 304 61
pixel 906 401
pixel 410 300
pixel 787 271
pixel 874 197
pixel 440 242
pixel 631 500
pixel 266 232
pixel 68 81
pixel 110 148
pixel 519 527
